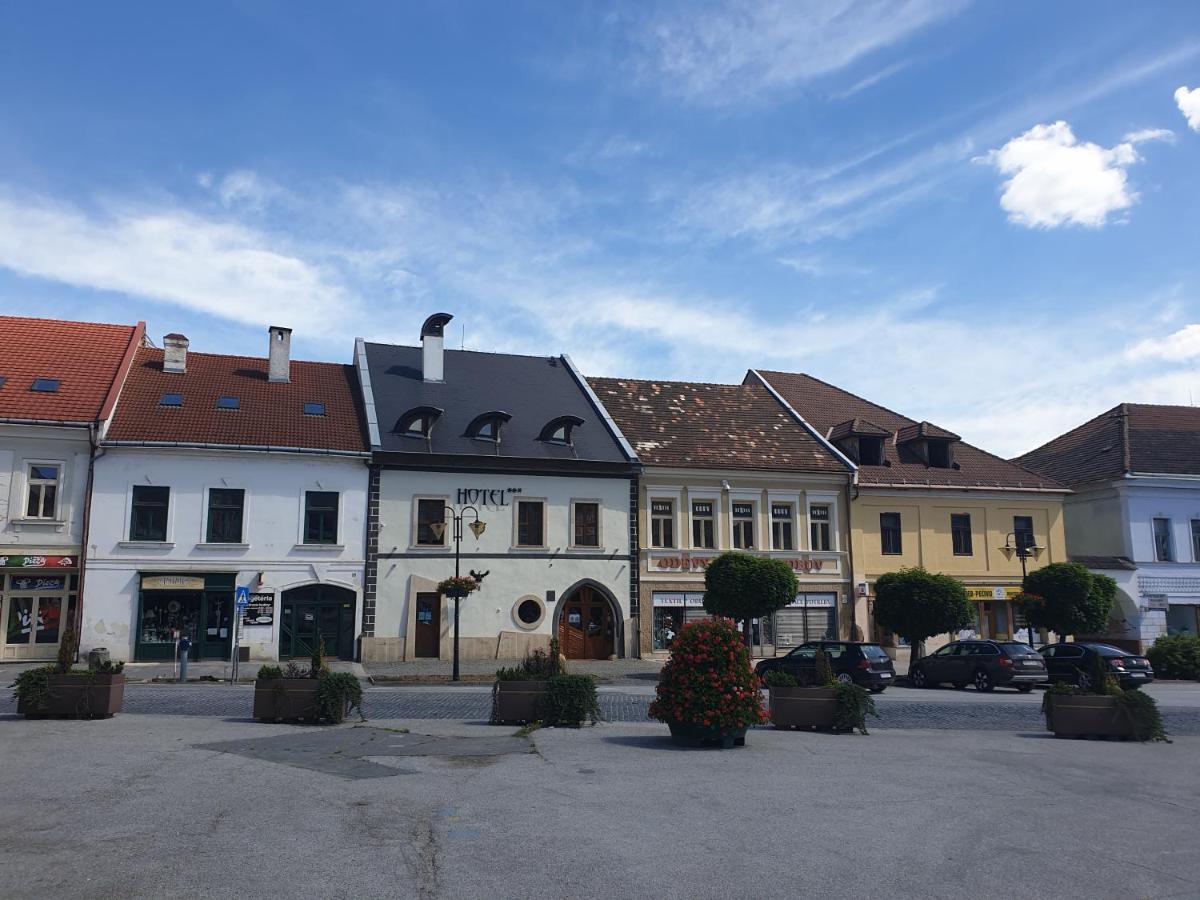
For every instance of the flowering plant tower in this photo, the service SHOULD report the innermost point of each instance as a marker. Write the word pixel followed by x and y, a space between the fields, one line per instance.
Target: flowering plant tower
pixel 707 690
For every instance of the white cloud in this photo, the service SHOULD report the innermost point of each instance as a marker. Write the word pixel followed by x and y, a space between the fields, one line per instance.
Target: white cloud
pixel 1055 180
pixel 248 188
pixel 1189 105
pixel 1179 345
pixel 1150 134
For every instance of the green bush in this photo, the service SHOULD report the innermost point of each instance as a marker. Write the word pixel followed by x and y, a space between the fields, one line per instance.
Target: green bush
pixel 337 694
pixel 569 701
pixel 1141 709
pixel 780 678
pixel 270 672
pixel 537 666
pixel 1176 656
pixel 33 686
pixel 854 704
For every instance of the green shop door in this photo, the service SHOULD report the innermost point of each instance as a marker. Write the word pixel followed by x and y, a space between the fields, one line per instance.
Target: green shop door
pixel 316 613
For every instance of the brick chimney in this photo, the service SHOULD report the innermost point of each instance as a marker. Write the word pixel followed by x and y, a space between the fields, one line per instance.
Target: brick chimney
pixel 175 347
pixel 279 359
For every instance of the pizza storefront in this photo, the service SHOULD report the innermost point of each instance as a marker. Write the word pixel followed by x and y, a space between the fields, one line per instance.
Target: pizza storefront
pixel 37 597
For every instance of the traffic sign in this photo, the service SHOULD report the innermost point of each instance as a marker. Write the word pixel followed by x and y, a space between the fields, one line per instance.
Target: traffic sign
pixel 242 597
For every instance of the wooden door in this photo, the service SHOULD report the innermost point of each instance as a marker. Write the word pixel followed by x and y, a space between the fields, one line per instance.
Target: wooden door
pixel 586 628
pixel 428 640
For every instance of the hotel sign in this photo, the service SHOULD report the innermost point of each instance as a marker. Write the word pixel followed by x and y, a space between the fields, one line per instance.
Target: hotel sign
pixel 684 561
pixel 485 496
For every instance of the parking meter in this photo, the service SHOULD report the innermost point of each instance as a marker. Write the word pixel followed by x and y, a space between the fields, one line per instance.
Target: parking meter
pixel 185 644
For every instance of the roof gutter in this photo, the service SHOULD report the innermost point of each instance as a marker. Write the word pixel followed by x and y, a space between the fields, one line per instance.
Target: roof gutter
pixel 251 448
pixel 1183 476
pixel 613 427
pixel 966 487
pixel 6 420
pixel 799 418
pixel 364 383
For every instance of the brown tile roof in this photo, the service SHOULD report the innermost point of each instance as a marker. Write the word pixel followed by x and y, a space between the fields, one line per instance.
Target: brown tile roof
pixel 85 357
pixel 825 406
pixel 1134 438
pixel 921 430
pixel 270 415
pixel 856 427
pixel 679 423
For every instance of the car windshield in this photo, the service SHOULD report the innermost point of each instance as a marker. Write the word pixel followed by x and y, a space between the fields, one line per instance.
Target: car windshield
pixel 874 651
pixel 1013 647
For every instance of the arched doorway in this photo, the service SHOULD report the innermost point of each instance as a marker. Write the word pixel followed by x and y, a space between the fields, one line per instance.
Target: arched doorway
pixel 315 613
pixel 586 625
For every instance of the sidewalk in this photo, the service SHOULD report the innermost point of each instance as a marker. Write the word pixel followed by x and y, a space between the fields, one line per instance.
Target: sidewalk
pixel 640 671
pixel 209 670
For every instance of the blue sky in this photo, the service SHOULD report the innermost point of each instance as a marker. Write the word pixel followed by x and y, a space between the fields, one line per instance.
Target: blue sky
pixel 982 214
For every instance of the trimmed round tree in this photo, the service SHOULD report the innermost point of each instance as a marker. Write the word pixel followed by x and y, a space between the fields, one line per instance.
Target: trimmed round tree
pixel 742 587
pixel 917 604
pixel 1067 598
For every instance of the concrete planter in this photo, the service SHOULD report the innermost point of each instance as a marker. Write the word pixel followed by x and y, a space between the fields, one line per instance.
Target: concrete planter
pixel 802 707
pixel 1086 715
pixel 689 734
pixel 79 697
pixel 516 702
pixel 286 699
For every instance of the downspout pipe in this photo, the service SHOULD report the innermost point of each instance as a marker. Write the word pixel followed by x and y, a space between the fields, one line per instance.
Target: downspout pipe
pixel 94 453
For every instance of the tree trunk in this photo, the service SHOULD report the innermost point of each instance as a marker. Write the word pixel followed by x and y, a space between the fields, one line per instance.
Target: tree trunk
pixel 747 634
pixel 914 653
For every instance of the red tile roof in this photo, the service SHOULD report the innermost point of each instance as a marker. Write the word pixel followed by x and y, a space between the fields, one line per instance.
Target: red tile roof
pixel 1134 438
pixel 85 357
pixel 825 406
pixel 270 415
pixel 679 423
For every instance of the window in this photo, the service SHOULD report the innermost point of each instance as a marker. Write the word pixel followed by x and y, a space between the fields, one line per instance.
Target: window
pixel 42 500
pixel 704 531
pixel 171 400
pixel 870 451
pixel 229 403
pixel 1196 540
pixel 320 517
pixel 1023 531
pixel 662 523
pixel 781 527
pixel 148 517
pixel 889 534
pixel 818 517
pixel 1162 540
pixel 45 385
pixel 587 524
pixel 960 534
pixel 314 409
pixel 225 515
pixel 531 523
pixel 486 427
pixel 743 526
pixel 417 422
pixel 430 513
pixel 939 454
pixel 558 431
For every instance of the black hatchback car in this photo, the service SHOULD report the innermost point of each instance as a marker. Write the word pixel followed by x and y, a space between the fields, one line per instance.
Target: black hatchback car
pixel 1072 663
pixel 983 663
pixel 851 661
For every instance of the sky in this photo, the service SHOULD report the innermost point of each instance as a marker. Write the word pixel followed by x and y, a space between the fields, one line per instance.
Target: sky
pixel 980 214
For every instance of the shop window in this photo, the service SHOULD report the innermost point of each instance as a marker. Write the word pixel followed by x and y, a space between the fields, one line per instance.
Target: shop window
pixel 148 517
pixel 662 523
pixel 531 523
pixel 782 527
pixel 587 524
pixel 42 481
pixel 704 531
pixel 36 619
pixel 819 527
pixel 430 513
pixel 225 506
pixel 1023 531
pixel 1163 551
pixel 320 517
pixel 889 534
pixel 743 526
pixel 960 534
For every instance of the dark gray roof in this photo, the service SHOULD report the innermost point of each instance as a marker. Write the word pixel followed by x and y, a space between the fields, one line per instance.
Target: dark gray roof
pixel 533 390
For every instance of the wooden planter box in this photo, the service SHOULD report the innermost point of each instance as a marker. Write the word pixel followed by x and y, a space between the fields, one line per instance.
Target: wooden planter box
pixel 79 697
pixel 687 734
pixel 516 702
pixel 802 707
pixel 286 699
pixel 1087 715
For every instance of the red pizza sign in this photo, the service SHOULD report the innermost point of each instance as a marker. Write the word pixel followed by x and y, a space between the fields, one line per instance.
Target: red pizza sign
pixel 37 562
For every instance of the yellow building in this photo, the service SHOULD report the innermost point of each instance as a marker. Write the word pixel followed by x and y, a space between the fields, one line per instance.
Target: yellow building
pixel 924 497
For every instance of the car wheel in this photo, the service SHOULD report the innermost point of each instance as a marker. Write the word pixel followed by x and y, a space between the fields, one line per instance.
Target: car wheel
pixel 878 689
pixel 844 678
pixel 1024 688
pixel 1083 681
pixel 918 678
pixel 983 681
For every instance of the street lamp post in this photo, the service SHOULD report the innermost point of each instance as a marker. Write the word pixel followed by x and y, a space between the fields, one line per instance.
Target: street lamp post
pixel 439 529
pixel 1023 550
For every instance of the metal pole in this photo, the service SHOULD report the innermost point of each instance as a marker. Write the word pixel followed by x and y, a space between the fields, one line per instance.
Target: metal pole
pixel 1028 621
pixel 457 544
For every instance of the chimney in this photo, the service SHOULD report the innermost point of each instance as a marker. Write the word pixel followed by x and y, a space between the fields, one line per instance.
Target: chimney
pixel 175 348
pixel 279 358
pixel 432 368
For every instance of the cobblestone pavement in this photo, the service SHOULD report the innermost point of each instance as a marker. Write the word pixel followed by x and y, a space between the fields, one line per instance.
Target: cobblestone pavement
pixel 473 704
pixel 616 670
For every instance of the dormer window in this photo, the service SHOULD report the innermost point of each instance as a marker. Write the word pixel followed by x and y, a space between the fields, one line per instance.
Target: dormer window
pixel 939 454
pixel 486 427
pixel 860 440
pixel 870 451
pixel 932 445
pixel 558 431
pixel 418 422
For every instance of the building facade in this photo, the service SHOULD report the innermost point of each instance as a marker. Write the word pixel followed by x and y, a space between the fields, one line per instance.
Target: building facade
pixel 1134 513
pixel 924 497
pixel 219 472
pixel 729 467
pixel 58 387
pixel 520 446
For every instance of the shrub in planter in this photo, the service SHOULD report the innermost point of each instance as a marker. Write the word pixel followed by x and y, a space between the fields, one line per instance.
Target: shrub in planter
pixel 707 690
pixel 1103 710
pixel 1176 656
pixel 58 690
pixel 518 690
pixel 569 700
pixel 295 694
pixel 821 702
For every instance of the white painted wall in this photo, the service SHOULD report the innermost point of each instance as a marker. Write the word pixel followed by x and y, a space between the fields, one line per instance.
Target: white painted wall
pixel 274 485
pixel 21 445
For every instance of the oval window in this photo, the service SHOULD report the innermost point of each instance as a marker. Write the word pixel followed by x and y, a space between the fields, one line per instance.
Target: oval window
pixel 529 611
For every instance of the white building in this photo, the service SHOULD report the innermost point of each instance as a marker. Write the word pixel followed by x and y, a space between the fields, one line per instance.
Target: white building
pixel 1135 512
pixel 221 472
pixel 58 386
pixel 521 443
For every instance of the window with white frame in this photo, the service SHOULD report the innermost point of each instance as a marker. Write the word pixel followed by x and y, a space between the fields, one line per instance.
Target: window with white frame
pixel 782 529
pixel 1163 551
pixel 42 483
pixel 585 527
pixel 820 536
pixel 743 524
pixel 704 525
pixel 662 523
pixel 431 512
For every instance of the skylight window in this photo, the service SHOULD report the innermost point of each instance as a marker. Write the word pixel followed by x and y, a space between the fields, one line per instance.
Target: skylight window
pixel 171 400
pixel 3 378
pixel 229 403
pixel 45 385
pixel 314 409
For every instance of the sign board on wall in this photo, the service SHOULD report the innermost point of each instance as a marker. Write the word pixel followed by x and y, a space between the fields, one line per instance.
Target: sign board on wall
pixel 172 582
pixel 693 562
pixel 1155 601
pixel 37 582
pixel 260 610
pixel 992 593
pixel 677 598
pixel 37 562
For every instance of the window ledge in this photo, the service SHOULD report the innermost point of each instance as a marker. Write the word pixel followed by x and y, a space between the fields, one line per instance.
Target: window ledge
pixel 323 548
pixel 429 548
pixel 147 545
pixel 205 545
pixel 528 548
pixel 595 549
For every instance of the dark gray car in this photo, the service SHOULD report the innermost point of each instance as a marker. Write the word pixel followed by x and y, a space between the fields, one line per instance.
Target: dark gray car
pixel 983 663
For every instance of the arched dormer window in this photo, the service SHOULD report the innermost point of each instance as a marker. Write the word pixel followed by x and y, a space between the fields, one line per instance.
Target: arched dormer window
pixel 486 426
pixel 558 431
pixel 417 422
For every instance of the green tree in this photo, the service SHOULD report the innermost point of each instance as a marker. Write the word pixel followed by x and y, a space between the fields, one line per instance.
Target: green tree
pixel 916 605
pixel 744 587
pixel 1068 599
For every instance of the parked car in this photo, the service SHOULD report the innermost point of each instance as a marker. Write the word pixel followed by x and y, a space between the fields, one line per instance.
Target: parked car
pixel 851 661
pixel 1072 663
pixel 987 664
